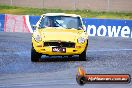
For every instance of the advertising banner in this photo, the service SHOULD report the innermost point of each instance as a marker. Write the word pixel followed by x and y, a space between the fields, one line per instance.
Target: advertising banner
pixel 2 19
pixel 108 27
pixel 94 26
pixel 15 23
pixel 33 20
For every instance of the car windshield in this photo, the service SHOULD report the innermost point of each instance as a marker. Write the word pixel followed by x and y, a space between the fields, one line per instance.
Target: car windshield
pixel 67 22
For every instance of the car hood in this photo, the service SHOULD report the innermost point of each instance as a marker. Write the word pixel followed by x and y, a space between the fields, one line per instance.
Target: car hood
pixel 60 34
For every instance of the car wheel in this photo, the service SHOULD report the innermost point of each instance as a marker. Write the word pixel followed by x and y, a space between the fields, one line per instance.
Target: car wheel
pixel 82 56
pixel 35 55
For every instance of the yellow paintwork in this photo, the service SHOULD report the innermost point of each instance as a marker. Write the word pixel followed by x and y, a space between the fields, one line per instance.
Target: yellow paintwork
pixel 61 34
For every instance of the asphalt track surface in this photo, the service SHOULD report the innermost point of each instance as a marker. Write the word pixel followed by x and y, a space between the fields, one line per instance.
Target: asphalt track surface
pixel 104 56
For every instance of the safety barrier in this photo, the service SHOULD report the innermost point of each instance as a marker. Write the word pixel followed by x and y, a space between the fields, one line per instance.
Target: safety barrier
pixel 2 18
pixel 94 27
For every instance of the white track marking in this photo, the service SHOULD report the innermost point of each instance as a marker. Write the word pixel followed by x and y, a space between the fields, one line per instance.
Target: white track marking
pixel 28 23
pixel 109 50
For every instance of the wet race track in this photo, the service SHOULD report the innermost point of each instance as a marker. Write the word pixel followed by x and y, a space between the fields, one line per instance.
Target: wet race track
pixel 104 56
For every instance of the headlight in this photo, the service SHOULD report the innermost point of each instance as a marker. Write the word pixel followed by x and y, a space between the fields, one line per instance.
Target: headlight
pixel 81 40
pixel 37 37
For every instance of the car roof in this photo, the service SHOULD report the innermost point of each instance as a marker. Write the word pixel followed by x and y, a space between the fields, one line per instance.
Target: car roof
pixel 60 14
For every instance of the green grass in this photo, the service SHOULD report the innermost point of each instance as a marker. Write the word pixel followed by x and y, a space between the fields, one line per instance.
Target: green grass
pixel 4 9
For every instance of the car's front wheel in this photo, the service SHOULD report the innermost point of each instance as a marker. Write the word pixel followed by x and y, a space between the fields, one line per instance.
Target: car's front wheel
pixel 82 56
pixel 35 55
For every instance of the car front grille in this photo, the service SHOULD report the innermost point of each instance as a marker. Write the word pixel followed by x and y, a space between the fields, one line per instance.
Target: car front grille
pixel 60 44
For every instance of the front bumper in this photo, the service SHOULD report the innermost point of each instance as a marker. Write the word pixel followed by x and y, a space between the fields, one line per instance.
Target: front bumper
pixel 47 50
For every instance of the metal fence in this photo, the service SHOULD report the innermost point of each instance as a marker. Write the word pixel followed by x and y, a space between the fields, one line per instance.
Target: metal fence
pixel 97 5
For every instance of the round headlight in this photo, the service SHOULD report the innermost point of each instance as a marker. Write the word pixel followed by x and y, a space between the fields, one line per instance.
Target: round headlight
pixel 37 38
pixel 81 40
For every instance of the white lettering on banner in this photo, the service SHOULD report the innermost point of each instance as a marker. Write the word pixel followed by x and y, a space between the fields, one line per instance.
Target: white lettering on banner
pixel 125 32
pixel 91 27
pixel 114 31
pixel 102 27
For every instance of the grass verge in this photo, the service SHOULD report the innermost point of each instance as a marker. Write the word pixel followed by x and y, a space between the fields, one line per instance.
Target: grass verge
pixel 4 9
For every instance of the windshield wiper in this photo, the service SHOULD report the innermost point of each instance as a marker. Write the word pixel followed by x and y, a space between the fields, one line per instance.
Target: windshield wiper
pixel 75 28
pixel 59 24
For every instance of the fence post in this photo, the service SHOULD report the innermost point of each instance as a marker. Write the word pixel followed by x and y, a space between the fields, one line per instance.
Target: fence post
pixel 43 4
pixel 108 5
pixel 11 2
pixel 74 1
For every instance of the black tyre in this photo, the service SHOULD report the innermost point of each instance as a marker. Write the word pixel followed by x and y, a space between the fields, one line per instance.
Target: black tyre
pixel 35 55
pixel 82 56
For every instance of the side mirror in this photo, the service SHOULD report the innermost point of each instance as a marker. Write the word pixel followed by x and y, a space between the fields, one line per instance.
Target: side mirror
pixel 84 27
pixel 34 26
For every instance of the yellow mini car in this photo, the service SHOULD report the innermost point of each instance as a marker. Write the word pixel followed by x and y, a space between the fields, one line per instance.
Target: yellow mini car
pixel 59 34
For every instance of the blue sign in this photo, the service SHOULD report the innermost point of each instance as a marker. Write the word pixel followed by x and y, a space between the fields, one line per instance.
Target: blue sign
pixel 2 19
pixel 33 20
pixel 108 27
